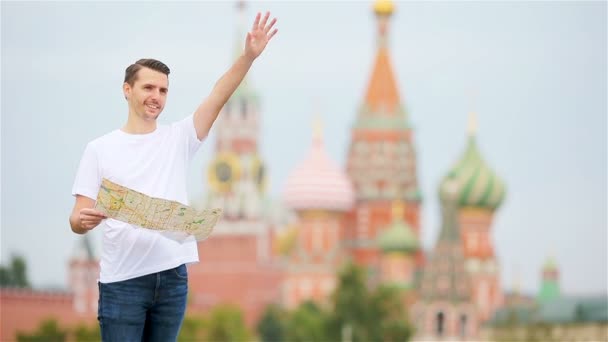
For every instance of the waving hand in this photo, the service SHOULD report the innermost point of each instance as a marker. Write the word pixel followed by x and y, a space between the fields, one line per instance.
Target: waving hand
pixel 259 36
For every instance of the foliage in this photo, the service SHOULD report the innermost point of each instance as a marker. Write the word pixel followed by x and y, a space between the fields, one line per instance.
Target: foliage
pixel 361 314
pixel 193 329
pixel 271 326
pixel 48 331
pixel 306 323
pixel 14 275
pixel 225 324
pixel 354 313
pixel 83 333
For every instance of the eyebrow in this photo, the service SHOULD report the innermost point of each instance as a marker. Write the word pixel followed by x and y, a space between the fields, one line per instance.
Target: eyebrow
pixel 152 85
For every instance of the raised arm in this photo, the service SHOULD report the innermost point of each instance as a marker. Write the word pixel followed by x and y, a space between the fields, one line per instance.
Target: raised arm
pixel 256 41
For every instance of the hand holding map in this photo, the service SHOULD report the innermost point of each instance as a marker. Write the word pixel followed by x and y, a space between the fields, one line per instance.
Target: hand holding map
pixel 127 205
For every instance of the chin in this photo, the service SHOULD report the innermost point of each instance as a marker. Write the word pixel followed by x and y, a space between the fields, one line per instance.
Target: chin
pixel 152 116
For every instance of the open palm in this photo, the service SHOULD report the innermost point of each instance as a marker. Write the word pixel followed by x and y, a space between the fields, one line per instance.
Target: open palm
pixel 259 36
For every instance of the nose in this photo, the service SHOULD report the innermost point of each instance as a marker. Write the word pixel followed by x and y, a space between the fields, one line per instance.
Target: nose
pixel 156 95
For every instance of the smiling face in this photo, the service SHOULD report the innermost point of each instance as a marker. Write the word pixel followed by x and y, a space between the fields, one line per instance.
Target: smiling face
pixel 148 94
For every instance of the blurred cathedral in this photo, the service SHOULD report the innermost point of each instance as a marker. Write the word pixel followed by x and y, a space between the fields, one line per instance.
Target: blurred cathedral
pixel 367 213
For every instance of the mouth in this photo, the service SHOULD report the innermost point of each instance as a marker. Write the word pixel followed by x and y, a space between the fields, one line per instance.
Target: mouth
pixel 153 107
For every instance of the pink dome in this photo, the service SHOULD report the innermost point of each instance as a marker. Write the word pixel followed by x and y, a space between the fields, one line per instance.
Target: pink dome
pixel 318 183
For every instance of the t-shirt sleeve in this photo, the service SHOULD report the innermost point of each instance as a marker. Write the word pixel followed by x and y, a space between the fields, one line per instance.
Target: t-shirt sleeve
pixel 88 176
pixel 187 128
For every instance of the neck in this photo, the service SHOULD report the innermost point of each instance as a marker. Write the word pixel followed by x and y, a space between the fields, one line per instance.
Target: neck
pixel 137 125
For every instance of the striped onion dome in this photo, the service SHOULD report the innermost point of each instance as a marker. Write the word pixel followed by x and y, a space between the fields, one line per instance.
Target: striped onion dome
pixel 398 236
pixel 317 182
pixel 471 182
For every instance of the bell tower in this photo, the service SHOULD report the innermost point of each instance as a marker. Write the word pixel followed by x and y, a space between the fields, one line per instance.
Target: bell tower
pixel 236 176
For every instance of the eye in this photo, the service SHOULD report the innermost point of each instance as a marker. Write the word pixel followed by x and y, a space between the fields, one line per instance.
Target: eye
pixel 164 91
pixel 148 87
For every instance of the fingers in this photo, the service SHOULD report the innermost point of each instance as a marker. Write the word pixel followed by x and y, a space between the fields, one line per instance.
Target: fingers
pixel 92 212
pixel 89 223
pixel 262 25
pixel 267 28
pixel 256 22
pixel 90 218
pixel 272 34
pixel 265 20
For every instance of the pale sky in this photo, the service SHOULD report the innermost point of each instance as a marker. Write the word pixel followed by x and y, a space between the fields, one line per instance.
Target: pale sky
pixel 538 70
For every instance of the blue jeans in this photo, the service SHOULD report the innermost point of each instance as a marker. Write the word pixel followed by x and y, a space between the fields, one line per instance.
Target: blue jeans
pixel 147 308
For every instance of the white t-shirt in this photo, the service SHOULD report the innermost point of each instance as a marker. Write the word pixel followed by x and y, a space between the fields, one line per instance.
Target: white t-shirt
pixel 155 164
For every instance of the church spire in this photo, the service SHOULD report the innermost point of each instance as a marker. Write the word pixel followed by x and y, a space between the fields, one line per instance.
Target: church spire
pixel 472 124
pixel 382 95
pixel 241 32
pixel 383 10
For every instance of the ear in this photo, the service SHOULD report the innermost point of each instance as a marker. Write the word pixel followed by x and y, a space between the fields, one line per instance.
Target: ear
pixel 126 90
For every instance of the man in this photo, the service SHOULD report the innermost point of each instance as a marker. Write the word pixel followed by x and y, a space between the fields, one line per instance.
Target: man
pixel 143 281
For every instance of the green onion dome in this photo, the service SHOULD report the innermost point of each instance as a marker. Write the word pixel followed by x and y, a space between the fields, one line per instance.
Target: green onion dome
pixel 550 265
pixel 398 236
pixel 471 182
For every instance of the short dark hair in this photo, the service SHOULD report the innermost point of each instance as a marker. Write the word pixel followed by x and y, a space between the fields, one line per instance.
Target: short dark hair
pixel 131 72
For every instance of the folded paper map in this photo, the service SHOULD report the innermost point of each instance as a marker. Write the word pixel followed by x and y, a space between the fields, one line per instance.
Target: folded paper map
pixel 127 205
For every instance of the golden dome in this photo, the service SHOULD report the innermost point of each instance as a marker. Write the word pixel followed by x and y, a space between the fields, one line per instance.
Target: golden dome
pixel 384 7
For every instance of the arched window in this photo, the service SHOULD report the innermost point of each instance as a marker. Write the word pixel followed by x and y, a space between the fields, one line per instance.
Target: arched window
pixel 439 324
pixel 227 109
pixel 244 109
pixel 463 326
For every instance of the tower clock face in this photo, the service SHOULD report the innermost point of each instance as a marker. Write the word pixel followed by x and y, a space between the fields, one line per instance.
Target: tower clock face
pixel 224 171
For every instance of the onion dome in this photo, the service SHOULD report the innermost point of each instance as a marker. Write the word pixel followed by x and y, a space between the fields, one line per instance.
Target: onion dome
pixel 471 182
pixel 317 182
pixel 384 7
pixel 398 236
pixel 550 265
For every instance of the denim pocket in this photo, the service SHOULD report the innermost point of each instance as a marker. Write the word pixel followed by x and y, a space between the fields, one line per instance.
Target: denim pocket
pixel 181 271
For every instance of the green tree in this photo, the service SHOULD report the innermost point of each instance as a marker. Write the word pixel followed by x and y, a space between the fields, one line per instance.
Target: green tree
pixel 363 315
pixel 271 327
pixel 83 333
pixel 15 275
pixel 350 306
pixel 193 329
pixel 48 331
pixel 19 269
pixel 226 324
pixel 5 276
pixel 307 323
pixel 387 303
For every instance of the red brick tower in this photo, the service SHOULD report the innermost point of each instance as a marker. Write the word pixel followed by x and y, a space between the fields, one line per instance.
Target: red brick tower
pixel 381 156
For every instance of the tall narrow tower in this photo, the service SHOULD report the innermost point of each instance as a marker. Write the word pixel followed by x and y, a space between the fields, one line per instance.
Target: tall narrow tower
pixel 479 193
pixel 239 247
pixel 381 157
pixel 237 174
pixel 549 288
